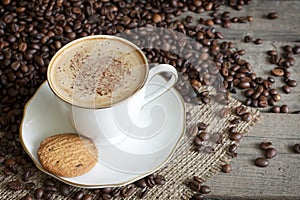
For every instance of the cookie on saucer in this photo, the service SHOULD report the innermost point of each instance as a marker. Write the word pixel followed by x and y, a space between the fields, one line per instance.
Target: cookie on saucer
pixel 68 154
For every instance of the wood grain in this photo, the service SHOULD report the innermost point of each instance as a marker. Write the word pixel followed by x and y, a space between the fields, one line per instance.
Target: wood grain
pixel 280 180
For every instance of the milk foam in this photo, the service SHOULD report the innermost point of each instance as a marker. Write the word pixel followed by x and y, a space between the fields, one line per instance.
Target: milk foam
pixel 97 72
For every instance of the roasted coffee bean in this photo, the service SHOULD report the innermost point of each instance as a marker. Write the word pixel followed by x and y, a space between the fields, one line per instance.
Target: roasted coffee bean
pixel 194 130
pixel 276 97
pixel 226 168
pixel 296 148
pixel 284 109
pixel 273 15
pixel 261 162
pixel 79 195
pixel 29 186
pixel 49 182
pixel 296 50
pixel 277 72
pixel 15 185
pixel 141 183
pixel 202 126
pixel 235 121
pixel 271 153
pixel 87 197
pixel 232 148
pixel 246 117
pixel 286 89
pixel 292 83
pixel 205 189
pixel 258 41
pixel 194 185
pixel 197 141
pixel 64 189
pixel 272 53
pixel 197 197
pixel 247 39
pixel 275 109
pixel 240 110
pixel 108 190
pixel 236 136
pixel 38 193
pixel 203 136
pixel 160 180
pixel 265 145
pixel 127 191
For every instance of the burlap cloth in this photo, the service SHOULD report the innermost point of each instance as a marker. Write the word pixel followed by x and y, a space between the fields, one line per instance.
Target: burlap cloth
pixel 185 162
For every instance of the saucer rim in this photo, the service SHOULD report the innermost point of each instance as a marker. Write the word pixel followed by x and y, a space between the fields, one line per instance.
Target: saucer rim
pixel 139 176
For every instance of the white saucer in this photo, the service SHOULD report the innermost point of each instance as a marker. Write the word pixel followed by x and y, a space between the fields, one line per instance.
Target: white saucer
pixel 42 118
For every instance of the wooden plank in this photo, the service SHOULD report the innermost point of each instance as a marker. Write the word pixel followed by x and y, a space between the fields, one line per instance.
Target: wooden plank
pixel 281 179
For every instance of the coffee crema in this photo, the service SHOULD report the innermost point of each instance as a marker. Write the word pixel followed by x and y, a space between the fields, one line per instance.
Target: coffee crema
pixel 96 72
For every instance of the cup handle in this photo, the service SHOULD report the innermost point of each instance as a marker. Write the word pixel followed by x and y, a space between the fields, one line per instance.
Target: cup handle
pixel 155 71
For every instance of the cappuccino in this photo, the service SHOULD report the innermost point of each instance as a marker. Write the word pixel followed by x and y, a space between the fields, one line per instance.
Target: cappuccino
pixel 96 72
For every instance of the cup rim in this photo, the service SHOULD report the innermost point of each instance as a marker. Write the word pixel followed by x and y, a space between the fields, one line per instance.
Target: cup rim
pixel 62 49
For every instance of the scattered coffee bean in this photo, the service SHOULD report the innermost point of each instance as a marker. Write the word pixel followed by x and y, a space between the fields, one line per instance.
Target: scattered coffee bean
pixel 292 83
pixel 38 193
pixel 64 189
pixel 226 168
pixel 284 109
pixel 27 197
pixel 247 39
pixel 271 153
pixel 275 109
pixel 194 130
pixel 160 180
pixel 297 148
pixel 258 41
pixel 262 162
pixel 205 189
pixel 198 141
pixel 236 136
pixel 232 148
pixel 79 195
pixel 141 183
pixel 15 185
pixel 240 110
pixel 265 145
pixel 286 89
pixel 202 126
pixel 246 117
pixel 277 72
pixel 203 135
pixel 273 15
pixel 194 185
pixel 296 50
pixel 87 197
pixel 197 197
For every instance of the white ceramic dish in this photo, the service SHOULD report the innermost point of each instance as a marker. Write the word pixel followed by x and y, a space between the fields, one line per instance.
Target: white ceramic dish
pixel 116 166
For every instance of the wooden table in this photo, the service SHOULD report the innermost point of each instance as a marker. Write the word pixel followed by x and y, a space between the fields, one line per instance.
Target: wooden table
pixel 281 179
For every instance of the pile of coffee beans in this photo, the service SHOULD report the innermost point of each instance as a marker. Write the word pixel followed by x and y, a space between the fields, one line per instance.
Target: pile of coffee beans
pixel 270 153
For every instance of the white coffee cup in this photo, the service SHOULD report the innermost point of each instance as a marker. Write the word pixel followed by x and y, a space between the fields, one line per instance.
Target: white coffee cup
pixel 111 123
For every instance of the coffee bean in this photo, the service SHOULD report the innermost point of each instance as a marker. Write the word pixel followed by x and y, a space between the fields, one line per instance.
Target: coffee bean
pixel 292 83
pixel 141 183
pixel 202 126
pixel 277 72
pixel 197 197
pixel 49 182
pixel 232 148
pixel 194 130
pixel 15 185
pixel 87 197
pixel 275 109
pixel 262 162
pixel 247 39
pixel 64 189
pixel 296 148
pixel 246 117
pixel 265 145
pixel 156 18
pixel 286 89
pixel 203 136
pixel 258 41
pixel 205 189
pixel 197 141
pixel 273 15
pixel 78 195
pixel 194 185
pixel 276 97
pixel 272 53
pixel 271 153
pixel 244 85
pixel 236 136
pixel 296 50
pixel 38 193
pixel 143 193
pixel 29 186
pixel 160 180
pixel 240 110
pixel 284 109
pixel 226 168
